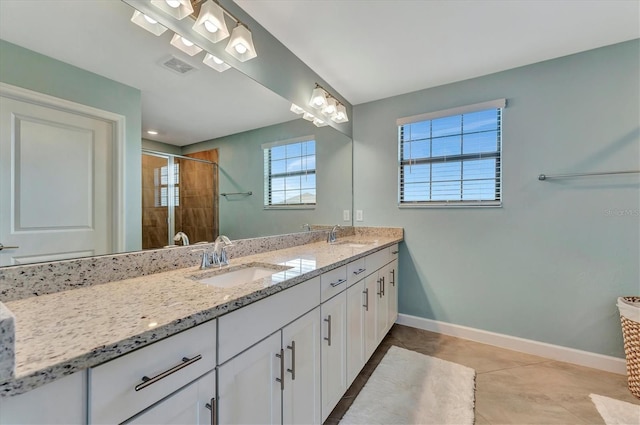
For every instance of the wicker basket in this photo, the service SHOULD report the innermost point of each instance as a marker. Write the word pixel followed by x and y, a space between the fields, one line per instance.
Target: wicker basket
pixel 631 335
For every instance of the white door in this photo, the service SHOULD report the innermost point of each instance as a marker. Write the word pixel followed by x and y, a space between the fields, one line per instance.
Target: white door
pixel 371 296
pixel 301 395
pixel 392 288
pixel 248 392
pixel 56 191
pixel 356 307
pixel 334 352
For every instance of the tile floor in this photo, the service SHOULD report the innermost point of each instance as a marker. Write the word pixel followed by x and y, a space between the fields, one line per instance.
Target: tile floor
pixel 511 387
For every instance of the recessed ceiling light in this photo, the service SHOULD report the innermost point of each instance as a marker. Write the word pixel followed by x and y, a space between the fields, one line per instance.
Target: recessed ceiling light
pixel 152 132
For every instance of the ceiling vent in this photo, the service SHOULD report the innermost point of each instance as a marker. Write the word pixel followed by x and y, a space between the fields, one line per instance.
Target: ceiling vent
pixel 177 65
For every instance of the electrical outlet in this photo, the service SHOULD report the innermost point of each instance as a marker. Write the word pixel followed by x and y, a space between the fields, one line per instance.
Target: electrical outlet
pixel 346 215
pixel 359 216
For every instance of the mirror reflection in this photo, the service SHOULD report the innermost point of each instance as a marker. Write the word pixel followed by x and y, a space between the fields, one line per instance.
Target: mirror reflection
pixel 90 53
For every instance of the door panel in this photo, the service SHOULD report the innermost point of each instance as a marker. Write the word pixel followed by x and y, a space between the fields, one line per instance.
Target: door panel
pixel 56 192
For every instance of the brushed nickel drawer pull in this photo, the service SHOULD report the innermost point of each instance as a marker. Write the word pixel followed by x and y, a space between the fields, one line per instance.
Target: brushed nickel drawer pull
pixel 393 273
pixel 357 272
pixel 146 381
pixel 292 371
pixel 281 379
pixel 328 337
pixel 394 252
pixel 366 299
pixel 212 406
pixel 338 282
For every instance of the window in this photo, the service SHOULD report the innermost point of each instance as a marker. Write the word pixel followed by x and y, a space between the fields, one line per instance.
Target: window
pixel 452 157
pixel 290 173
pixel 162 184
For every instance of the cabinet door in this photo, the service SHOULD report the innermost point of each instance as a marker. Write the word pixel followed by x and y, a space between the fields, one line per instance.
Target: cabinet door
pixel 356 305
pixel 248 392
pixel 191 405
pixel 334 373
pixel 59 402
pixel 371 297
pixel 392 290
pixel 382 304
pixel 301 395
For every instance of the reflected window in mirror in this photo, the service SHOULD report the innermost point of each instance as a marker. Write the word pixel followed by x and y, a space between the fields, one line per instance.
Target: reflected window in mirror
pixel 290 173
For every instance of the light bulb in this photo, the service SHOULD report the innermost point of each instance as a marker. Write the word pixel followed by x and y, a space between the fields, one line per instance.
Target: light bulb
pixel 317 101
pixel 210 26
pixel 173 3
pixel 217 60
pixel 241 48
pixel 186 42
pixel 340 115
pixel 150 20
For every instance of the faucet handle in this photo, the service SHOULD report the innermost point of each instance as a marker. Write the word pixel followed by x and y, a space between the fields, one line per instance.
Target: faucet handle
pixel 205 262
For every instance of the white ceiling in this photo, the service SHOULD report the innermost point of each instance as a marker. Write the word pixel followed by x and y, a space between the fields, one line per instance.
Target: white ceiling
pixel 368 50
pixel 97 36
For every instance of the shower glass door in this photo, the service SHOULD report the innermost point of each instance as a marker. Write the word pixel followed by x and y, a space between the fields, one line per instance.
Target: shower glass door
pixel 178 195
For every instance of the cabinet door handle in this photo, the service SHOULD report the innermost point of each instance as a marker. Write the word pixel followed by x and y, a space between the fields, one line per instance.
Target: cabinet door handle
pixel 292 371
pixel 328 337
pixel 357 272
pixel 146 381
pixel 383 286
pixel 366 299
pixel 393 273
pixel 212 406
pixel 379 293
pixel 394 252
pixel 338 282
pixel 281 379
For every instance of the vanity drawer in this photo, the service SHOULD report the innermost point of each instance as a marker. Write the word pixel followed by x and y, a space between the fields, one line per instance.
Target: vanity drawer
pixel 117 389
pixel 333 282
pixel 356 271
pixel 247 326
pixel 393 252
pixel 377 260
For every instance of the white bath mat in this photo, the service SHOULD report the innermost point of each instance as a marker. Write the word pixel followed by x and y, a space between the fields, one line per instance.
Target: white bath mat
pixel 616 412
pixel 411 388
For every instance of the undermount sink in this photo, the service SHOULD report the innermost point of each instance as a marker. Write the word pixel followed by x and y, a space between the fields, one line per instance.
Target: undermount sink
pixel 227 278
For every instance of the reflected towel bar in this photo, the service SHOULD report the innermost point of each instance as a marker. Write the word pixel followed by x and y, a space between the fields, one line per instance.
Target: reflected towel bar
pixel 542 177
pixel 236 193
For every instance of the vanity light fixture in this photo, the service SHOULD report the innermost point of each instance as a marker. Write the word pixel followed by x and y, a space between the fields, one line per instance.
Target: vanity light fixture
pixel 307 116
pixel 185 45
pixel 215 63
pixel 241 43
pixel 340 115
pixel 331 106
pixel 210 23
pixel 319 123
pixel 147 23
pixel 296 109
pixel 318 98
pixel 179 9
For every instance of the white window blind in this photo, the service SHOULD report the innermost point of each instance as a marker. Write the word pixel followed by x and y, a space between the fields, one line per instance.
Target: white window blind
pixel 290 173
pixel 452 157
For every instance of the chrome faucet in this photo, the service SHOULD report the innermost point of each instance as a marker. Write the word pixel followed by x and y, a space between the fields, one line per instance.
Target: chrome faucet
pixel 219 256
pixel 306 227
pixel 181 236
pixel 331 238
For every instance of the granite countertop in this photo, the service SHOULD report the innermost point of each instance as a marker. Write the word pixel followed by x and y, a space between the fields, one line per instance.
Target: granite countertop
pixel 65 332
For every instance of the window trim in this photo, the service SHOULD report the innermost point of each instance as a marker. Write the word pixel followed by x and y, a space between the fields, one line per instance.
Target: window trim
pixel 266 175
pixel 476 107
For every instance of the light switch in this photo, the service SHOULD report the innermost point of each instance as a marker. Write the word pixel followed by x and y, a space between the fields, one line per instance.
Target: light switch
pixel 346 215
pixel 359 216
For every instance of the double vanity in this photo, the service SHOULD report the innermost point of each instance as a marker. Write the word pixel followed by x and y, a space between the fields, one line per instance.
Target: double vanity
pixel 277 336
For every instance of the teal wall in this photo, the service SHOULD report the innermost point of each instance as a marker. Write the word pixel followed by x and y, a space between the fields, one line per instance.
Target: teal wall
pixel 241 169
pixel 27 69
pixel 548 265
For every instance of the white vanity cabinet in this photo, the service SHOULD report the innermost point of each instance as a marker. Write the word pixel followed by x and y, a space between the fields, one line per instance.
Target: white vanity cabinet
pixel 274 379
pixel 59 402
pixel 127 385
pixel 334 351
pixel 193 404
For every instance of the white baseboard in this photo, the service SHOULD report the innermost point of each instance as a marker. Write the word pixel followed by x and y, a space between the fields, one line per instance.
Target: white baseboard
pixel 542 349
